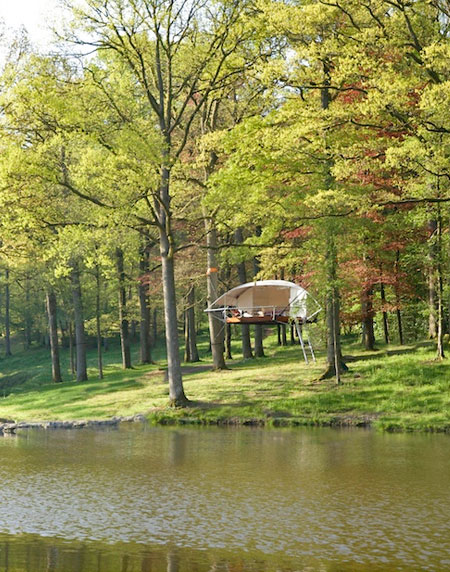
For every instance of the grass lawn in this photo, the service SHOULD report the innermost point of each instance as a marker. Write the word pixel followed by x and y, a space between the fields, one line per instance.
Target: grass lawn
pixel 394 388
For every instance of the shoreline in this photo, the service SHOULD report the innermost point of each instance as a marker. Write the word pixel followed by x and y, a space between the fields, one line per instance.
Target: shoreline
pixel 333 422
pixel 161 419
pixel 397 389
pixel 12 426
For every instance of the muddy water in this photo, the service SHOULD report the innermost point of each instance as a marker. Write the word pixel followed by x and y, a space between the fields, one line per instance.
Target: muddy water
pixel 140 499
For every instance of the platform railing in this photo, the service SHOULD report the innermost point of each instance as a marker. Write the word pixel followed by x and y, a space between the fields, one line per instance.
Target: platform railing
pixel 255 311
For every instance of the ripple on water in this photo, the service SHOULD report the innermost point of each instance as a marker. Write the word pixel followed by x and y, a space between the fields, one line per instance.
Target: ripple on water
pixel 329 496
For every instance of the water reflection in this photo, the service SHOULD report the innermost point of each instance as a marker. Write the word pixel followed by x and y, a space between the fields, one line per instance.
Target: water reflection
pixel 34 554
pixel 144 499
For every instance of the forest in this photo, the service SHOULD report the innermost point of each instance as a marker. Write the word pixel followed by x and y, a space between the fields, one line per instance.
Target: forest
pixel 164 151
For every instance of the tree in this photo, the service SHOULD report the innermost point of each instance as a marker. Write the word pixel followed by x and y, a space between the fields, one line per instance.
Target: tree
pixel 156 40
pixel 247 352
pixel 53 331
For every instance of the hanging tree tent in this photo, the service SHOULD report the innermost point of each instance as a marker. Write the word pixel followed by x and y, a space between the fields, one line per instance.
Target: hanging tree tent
pixel 267 302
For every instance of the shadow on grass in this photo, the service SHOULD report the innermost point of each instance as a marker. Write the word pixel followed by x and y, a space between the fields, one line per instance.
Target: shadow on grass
pixel 385 352
pixel 73 392
pixel 211 405
pixel 396 382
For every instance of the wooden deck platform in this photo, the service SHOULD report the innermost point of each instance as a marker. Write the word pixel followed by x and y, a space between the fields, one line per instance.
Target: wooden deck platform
pixel 257 320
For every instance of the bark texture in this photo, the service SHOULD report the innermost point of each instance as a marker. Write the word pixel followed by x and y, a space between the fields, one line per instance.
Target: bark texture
pixel 398 298
pixel 123 317
pixel 247 352
pixel 53 334
pixel 440 288
pixel 7 315
pixel 166 247
pixel 144 309
pixel 28 315
pixel 216 328
pixel 259 330
pixel 191 332
pixel 228 336
pixel 71 349
pixel 335 362
pixel 98 324
pixel 80 338
pixel 154 327
pixel 432 294
pixel 283 335
pixel 383 307
pixel 368 333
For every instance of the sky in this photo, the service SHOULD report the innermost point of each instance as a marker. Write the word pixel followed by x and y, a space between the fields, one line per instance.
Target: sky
pixel 32 14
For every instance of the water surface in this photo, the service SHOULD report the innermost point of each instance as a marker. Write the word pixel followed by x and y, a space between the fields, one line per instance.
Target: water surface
pixel 143 498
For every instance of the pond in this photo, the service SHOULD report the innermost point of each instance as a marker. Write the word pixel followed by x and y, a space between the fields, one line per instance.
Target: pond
pixel 141 499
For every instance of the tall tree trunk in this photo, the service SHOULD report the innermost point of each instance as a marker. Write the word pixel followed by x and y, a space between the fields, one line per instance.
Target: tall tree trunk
pixel 335 362
pixel 80 341
pixel 144 307
pixel 53 334
pixel 176 391
pixel 399 326
pixel 190 325
pixel 166 244
pixel 279 334
pixel 133 330
pixel 106 311
pixel 123 317
pixel 7 315
pixel 383 308
pixel 440 316
pixel 187 349
pixel 28 315
pixel 155 326
pixel 63 334
pixel 432 264
pixel 216 328
pixel 228 341
pixel 71 352
pixel 242 275
pixel 98 324
pixel 440 288
pixel 133 324
pixel 283 335
pixel 368 334
pixel 259 331
pixel 283 326
pixel 259 337
pixel 398 298
pixel 228 329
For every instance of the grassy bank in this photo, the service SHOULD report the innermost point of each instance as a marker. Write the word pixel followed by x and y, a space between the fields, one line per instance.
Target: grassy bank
pixel 394 388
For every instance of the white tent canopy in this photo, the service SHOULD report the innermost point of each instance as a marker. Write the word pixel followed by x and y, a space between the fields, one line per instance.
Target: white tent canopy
pixel 277 297
pixel 268 302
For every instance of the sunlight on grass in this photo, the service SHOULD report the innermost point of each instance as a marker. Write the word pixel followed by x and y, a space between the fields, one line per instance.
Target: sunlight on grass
pixel 396 389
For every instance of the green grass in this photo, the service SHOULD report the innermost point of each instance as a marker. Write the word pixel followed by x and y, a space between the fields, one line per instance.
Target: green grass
pixel 395 389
